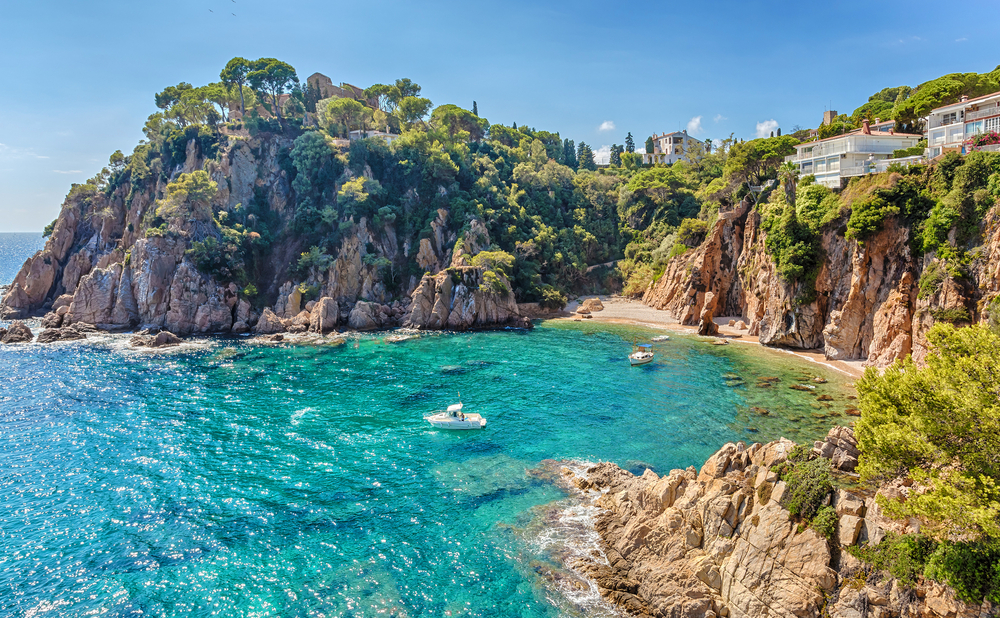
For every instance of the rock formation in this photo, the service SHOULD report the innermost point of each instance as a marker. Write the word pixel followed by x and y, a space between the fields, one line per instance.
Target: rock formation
pixel 718 542
pixel 17 332
pixel 866 303
pixel 456 299
pixel 106 265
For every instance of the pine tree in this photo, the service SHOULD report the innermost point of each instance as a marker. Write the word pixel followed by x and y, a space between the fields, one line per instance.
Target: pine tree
pixel 475 109
pixel 772 133
pixel 649 145
pixel 779 131
pixel 616 155
pixel 629 143
pixel 569 153
pixel 515 126
pixel 585 157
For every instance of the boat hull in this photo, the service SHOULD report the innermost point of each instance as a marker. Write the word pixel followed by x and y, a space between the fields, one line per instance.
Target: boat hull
pixel 639 361
pixel 442 421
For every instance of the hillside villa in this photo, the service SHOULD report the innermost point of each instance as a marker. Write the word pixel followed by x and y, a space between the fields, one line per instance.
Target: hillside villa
pixel 834 159
pixel 669 148
pixel 950 126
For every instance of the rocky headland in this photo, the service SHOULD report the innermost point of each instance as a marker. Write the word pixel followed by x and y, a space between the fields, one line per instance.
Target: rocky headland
pixel 720 541
pixel 873 300
pixel 117 261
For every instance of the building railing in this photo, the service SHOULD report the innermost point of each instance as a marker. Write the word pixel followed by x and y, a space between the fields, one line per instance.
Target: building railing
pixel 982 113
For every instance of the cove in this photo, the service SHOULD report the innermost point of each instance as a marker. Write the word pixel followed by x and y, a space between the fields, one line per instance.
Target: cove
pixel 237 479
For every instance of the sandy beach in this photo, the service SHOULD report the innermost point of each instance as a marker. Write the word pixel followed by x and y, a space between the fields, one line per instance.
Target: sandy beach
pixel 627 311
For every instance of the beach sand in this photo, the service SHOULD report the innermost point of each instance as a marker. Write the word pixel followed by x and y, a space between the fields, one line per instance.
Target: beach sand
pixel 627 311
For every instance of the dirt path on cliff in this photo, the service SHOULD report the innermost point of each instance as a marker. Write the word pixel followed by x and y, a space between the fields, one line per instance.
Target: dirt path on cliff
pixel 619 310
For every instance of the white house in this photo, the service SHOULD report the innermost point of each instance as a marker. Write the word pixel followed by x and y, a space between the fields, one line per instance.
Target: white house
pixel 669 148
pixel 949 126
pixel 388 137
pixel 833 159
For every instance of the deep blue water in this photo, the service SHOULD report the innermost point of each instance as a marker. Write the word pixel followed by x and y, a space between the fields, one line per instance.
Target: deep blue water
pixel 15 248
pixel 231 479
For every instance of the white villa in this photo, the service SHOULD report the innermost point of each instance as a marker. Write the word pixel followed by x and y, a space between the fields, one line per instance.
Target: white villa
pixel 669 148
pixel 834 159
pixel 948 127
pixel 388 137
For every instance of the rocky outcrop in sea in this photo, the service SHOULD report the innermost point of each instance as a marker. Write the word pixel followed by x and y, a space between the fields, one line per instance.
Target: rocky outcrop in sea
pixel 719 542
pixel 867 304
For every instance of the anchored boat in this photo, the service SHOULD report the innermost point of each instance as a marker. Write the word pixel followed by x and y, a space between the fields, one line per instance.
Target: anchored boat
pixel 454 418
pixel 642 353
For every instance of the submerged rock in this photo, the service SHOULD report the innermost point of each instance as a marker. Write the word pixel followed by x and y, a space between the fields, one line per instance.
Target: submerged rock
pixel 69 333
pixel 162 339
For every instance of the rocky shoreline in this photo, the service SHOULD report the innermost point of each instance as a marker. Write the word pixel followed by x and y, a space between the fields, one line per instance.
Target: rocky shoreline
pixel 720 542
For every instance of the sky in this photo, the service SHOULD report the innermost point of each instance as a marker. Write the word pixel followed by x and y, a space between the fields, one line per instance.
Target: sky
pixel 78 78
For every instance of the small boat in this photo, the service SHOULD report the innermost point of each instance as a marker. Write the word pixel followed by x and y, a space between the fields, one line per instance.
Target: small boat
pixel 661 338
pixel 454 418
pixel 642 353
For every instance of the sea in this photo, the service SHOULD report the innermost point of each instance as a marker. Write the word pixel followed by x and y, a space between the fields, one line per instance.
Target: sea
pixel 232 478
pixel 15 248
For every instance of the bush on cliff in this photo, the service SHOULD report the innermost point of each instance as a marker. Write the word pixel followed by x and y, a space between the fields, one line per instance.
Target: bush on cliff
pixel 808 484
pixel 939 426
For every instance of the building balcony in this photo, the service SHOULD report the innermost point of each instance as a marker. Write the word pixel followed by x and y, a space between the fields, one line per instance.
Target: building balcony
pixel 979 114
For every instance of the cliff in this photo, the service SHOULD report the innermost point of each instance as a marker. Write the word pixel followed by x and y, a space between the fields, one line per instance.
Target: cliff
pixel 873 300
pixel 161 251
pixel 719 542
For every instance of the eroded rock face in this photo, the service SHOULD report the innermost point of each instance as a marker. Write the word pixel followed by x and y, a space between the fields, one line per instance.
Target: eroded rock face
pixel 324 315
pixel 866 303
pixel 456 299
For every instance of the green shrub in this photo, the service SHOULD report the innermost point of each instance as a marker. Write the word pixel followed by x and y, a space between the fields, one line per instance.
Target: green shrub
pixel 954 315
pixel 48 228
pixel 825 522
pixel 250 290
pixel 930 280
pixel 808 483
pixel 903 556
pixel 972 569
pixel 552 298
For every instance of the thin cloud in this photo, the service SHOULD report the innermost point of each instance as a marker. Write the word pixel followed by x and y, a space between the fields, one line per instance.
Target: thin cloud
pixel 8 152
pixel 719 117
pixel 694 125
pixel 602 156
pixel 67 171
pixel 607 125
pixel 962 40
pixel 764 128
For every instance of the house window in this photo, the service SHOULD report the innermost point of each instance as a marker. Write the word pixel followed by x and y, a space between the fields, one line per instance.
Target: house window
pixel 992 124
pixel 973 128
pixel 951 118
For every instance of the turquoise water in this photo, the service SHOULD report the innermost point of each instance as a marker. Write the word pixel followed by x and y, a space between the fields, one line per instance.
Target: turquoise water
pixel 15 248
pixel 231 479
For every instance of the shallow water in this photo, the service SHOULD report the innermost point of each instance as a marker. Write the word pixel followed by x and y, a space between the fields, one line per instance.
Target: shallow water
pixel 231 479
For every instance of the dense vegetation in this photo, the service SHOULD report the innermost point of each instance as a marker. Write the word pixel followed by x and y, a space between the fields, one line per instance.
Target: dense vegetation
pixel 542 197
pixel 938 427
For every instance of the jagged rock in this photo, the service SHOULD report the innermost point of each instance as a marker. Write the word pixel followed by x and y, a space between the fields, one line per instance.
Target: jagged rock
pixel 52 320
pixel 324 315
pixel 741 325
pixel 197 303
pixel 63 301
pixel 17 332
pixel 94 299
pixel 457 299
pixel 300 323
pixel 70 333
pixel 364 316
pixel 268 324
pixel 841 447
pixel 242 312
pixel 240 327
pixel 162 339
pixel 706 321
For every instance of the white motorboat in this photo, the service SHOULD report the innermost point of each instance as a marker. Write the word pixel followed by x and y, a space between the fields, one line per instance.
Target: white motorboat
pixel 642 353
pixel 661 338
pixel 454 418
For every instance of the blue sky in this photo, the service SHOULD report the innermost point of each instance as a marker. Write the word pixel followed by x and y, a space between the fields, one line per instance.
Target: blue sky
pixel 78 77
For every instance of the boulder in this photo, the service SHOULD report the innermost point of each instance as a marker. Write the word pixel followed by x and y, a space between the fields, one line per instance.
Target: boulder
pixel 52 320
pixel 592 304
pixel 841 447
pixel 706 321
pixel 240 327
pixel 300 323
pixel 70 333
pixel 17 332
pixel 162 339
pixel 364 316
pixel 324 315
pixel 268 324
pixel 741 325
